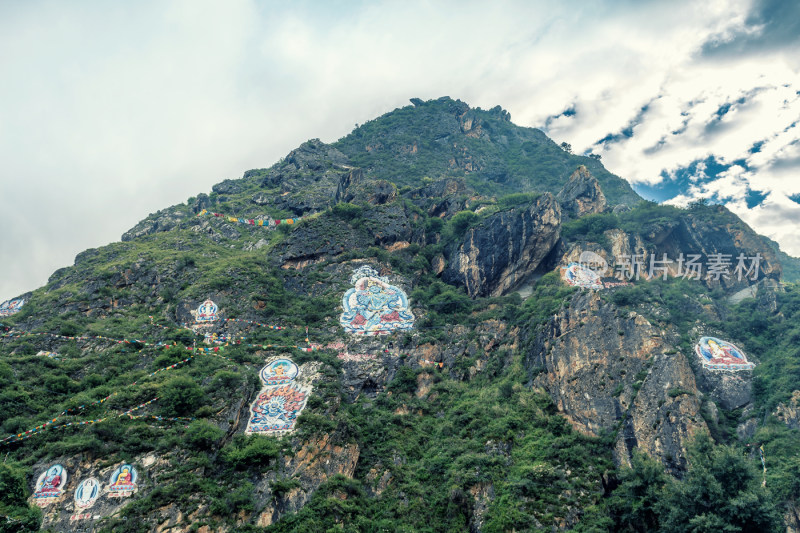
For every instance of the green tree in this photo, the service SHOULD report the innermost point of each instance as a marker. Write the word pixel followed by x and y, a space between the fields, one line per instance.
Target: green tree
pixel 634 504
pixel 15 514
pixel 180 396
pixel 721 492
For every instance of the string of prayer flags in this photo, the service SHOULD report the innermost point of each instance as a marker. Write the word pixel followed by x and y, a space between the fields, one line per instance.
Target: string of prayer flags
pixel 425 362
pixel 270 222
pixel 259 324
pixel 167 368
pixel 38 429
pixel 63 413
pixel 165 345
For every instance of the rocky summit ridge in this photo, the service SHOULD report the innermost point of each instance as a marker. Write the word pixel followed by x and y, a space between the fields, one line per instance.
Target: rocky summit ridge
pixel 440 322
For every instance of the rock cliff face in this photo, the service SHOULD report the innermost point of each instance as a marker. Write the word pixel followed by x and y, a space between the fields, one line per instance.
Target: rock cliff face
pixel 718 234
pixel 504 251
pixel 606 369
pixel 581 195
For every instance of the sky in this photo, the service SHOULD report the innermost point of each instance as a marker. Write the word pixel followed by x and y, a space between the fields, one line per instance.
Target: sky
pixel 110 111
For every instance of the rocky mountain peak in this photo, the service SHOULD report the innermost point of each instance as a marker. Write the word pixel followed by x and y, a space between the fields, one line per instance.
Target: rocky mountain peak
pixel 581 195
pixel 422 284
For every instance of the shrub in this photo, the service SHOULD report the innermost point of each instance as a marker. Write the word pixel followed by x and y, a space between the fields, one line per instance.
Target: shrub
pixel 251 450
pixel 202 435
pixel 180 397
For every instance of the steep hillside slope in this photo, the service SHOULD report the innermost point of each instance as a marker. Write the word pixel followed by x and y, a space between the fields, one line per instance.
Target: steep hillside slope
pixel 370 336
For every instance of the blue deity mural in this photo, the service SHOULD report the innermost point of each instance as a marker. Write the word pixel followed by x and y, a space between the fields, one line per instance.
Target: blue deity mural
pixel 373 306
pixel 280 401
pixel 716 354
pixel 11 307
pixel 578 275
pixel 276 409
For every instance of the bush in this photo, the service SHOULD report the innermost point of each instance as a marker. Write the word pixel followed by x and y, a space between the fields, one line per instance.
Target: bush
pixel 13 501
pixel 251 450
pixel 202 435
pixel 180 397
pixel 404 381
pixel 347 211
pixel 461 222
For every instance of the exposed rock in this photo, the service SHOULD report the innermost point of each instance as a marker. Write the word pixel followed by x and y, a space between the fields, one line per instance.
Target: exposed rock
pixel 602 368
pixel 503 252
pixel 388 223
pixel 353 187
pixel 789 412
pixel 260 199
pixel 164 220
pixel 255 246
pixel 201 202
pixel 731 389
pixel 483 495
pixel 581 195
pixel 792 517
pixel 315 462
pixel 228 187
pixel 691 235
pixel 442 188
pixel 747 429
pixel 443 198
pixel 308 178
pixel 321 238
pixel 315 155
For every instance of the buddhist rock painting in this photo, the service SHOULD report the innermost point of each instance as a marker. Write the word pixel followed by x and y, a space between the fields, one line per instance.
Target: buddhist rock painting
pixel 87 493
pixel 373 306
pixel 123 481
pixel 279 372
pixel 11 307
pixel 207 312
pixel 716 354
pixel 280 401
pixel 50 485
pixel 578 275
pixel 276 409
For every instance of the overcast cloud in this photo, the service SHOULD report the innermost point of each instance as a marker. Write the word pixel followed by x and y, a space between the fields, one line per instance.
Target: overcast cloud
pixel 111 111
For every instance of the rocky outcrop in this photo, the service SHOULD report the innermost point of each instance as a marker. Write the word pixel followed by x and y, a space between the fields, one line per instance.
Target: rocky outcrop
pixel 603 368
pixel 789 412
pixel 504 251
pixel 164 220
pixel 730 389
pixel 319 239
pixel 314 463
pixel 581 195
pixel 443 198
pixel 308 177
pixel 712 234
pixel 388 223
pixel 715 230
pixel 354 187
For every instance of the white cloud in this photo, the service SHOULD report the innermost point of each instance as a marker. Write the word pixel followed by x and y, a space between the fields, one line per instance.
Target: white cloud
pixel 111 111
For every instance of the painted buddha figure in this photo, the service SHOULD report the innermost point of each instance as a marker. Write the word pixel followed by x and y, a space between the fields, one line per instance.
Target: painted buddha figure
pixel 53 480
pixel 207 312
pixel 723 354
pixel 124 477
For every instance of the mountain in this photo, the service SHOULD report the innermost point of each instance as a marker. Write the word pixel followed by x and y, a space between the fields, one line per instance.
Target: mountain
pixel 441 322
